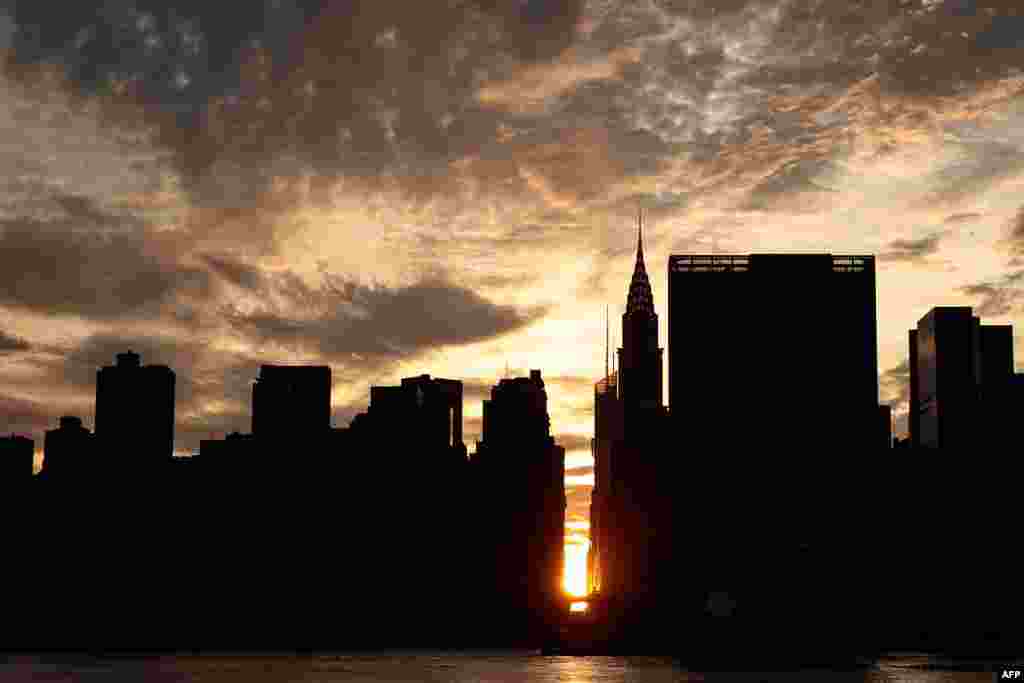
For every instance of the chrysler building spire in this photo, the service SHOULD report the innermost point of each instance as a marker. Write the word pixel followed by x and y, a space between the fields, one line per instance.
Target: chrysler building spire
pixel 640 299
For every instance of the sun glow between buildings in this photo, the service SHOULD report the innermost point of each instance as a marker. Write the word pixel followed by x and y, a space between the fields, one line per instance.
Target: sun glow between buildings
pixel 575 578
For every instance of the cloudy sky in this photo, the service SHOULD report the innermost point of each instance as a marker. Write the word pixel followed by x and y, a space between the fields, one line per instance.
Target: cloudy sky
pixel 395 187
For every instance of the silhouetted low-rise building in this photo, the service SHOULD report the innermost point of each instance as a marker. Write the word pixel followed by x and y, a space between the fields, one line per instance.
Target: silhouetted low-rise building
pixel 68 451
pixel 17 459
pixel 291 401
pixel 236 450
pixel 422 413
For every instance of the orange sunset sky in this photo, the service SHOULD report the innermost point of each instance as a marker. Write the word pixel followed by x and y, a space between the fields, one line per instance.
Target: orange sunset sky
pixel 394 188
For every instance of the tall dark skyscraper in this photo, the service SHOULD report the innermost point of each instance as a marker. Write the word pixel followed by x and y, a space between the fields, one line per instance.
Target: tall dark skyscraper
pixel 946 376
pixel 135 411
pixel 913 410
pixel 770 351
pixel 291 401
pixel 522 472
pixel 962 374
pixel 640 358
pixel 630 470
pixel 604 537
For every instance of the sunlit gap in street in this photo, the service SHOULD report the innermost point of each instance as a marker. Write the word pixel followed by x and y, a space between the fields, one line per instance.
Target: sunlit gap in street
pixel 575 580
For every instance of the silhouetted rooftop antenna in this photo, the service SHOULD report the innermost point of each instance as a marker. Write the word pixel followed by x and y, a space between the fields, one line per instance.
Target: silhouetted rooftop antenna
pixel 640 232
pixel 613 355
pixel 606 327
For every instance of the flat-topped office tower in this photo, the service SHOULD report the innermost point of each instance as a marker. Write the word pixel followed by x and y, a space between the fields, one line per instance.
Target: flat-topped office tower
pixel 290 400
pixel 770 351
pixel 962 380
pixel 135 412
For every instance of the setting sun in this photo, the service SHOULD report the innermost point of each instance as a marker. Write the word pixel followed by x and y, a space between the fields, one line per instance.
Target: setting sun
pixel 575 579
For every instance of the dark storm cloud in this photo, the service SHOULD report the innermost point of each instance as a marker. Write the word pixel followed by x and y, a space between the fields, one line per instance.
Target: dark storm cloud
pixel 12 343
pixel 343 319
pixel 997 298
pixel 90 263
pixel 917 47
pixel 912 250
pixel 245 95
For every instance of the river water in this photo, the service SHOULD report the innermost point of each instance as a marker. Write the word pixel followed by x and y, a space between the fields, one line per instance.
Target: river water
pixel 470 667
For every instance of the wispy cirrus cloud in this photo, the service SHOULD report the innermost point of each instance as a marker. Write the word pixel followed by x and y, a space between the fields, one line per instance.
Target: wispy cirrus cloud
pixel 911 250
pixel 450 188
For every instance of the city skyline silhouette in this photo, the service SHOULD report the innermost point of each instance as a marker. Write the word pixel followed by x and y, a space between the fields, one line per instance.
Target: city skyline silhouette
pixel 246 202
pixel 495 521
pixel 397 196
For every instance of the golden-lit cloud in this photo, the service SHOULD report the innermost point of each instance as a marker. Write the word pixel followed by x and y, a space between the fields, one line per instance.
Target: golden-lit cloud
pixel 452 189
pixel 530 87
pixel 586 479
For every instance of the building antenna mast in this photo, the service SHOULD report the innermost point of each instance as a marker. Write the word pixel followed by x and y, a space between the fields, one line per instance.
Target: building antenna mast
pixel 606 328
pixel 640 228
pixel 613 354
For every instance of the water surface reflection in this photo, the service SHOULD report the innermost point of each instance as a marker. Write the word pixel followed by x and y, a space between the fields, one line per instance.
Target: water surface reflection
pixel 471 667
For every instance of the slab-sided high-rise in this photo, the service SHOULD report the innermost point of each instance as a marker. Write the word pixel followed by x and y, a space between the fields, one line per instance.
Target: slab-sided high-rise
pixel 773 351
pixel 135 411
pixel 632 497
pixel 962 380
